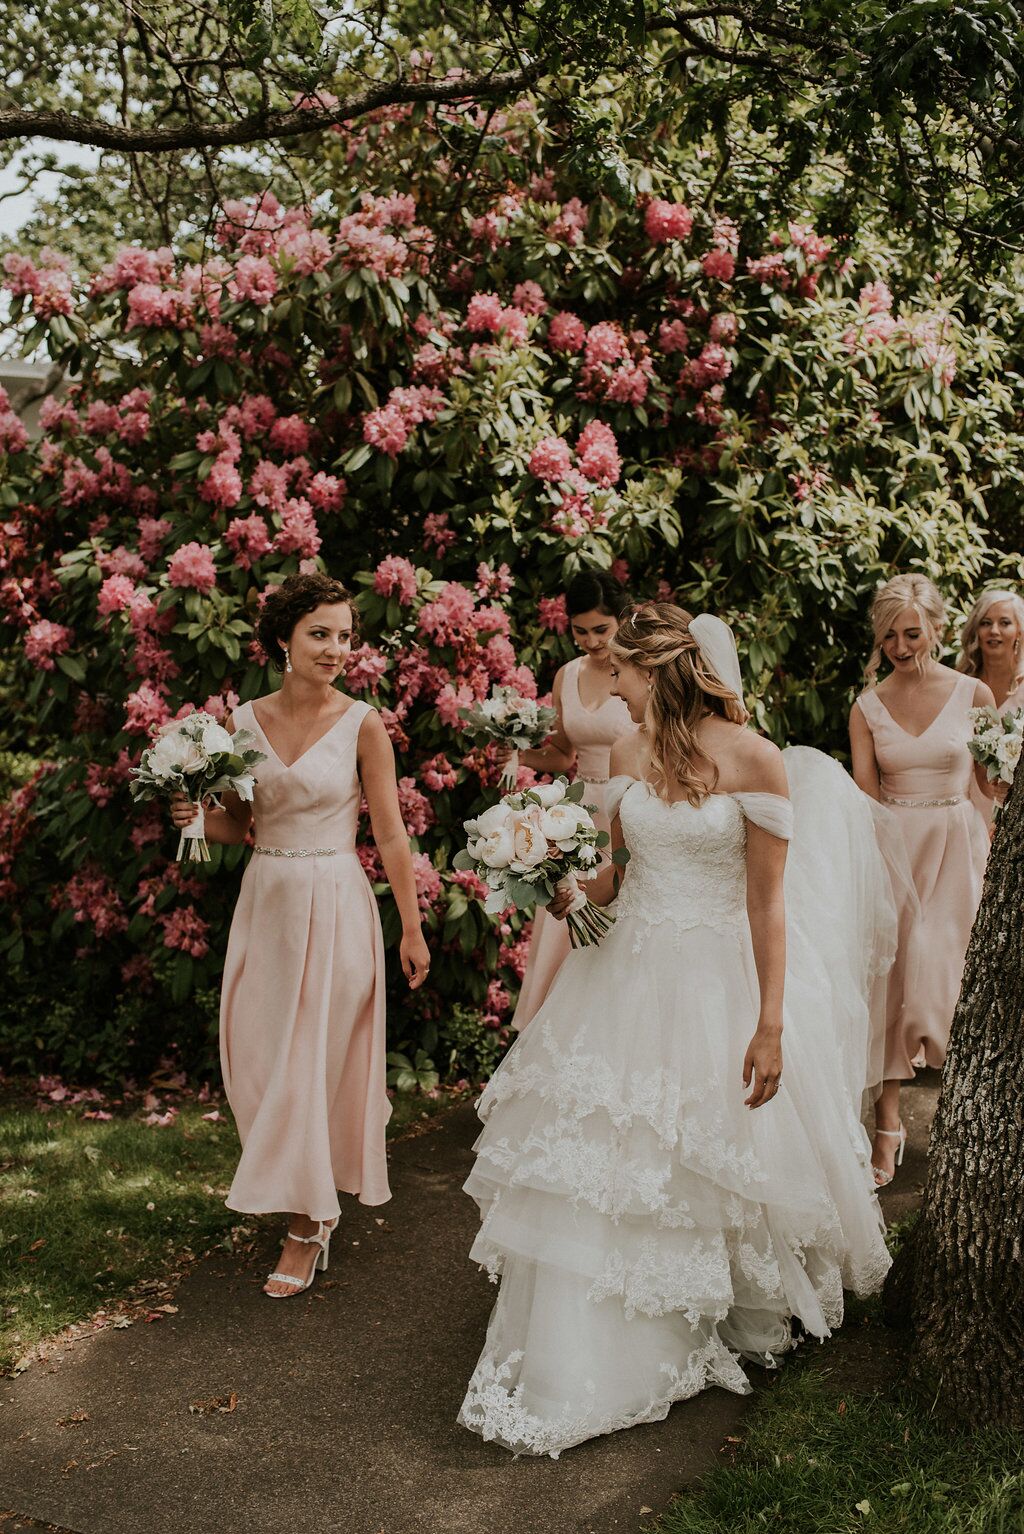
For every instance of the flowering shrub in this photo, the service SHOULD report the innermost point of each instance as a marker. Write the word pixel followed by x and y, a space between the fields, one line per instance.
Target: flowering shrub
pixel 755 423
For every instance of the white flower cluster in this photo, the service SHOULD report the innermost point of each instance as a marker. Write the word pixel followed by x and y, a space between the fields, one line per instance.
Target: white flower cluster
pixel 508 717
pixel 997 741
pixel 527 843
pixel 197 756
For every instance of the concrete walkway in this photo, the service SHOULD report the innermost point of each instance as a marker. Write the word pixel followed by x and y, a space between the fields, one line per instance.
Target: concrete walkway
pixel 342 1402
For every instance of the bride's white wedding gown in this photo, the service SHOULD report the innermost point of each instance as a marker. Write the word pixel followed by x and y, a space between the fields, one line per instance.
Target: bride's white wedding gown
pixel 647 1228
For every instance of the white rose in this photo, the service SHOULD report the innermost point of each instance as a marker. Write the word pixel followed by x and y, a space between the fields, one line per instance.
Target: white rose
pixel 563 822
pixel 1008 755
pixel 549 794
pixel 530 845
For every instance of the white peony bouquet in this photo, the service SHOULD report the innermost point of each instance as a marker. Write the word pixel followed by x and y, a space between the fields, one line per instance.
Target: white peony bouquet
pixel 997 741
pixel 512 720
pixel 196 756
pixel 529 845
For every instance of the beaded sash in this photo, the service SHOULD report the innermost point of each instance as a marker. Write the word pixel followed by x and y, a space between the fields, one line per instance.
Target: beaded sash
pixel 298 852
pixel 924 804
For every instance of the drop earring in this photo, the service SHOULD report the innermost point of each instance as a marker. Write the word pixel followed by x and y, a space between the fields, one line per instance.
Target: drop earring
pixel 287 659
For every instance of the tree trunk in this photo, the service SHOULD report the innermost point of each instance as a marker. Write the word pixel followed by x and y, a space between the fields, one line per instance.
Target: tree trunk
pixel 968 1251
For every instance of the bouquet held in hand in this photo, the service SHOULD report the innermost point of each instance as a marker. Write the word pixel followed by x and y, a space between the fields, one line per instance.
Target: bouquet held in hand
pixel 196 756
pixel 529 845
pixel 511 720
pixel 997 741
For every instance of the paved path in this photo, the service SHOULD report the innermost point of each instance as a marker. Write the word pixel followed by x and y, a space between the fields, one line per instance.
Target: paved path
pixel 346 1397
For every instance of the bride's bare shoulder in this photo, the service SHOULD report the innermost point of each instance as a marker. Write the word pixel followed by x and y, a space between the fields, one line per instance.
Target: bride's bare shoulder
pixel 759 765
pixel 628 758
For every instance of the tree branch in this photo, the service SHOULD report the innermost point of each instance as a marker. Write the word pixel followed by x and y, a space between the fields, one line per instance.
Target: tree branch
pixel 259 126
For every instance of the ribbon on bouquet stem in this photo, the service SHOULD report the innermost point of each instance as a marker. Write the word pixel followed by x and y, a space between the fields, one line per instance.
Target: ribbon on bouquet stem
pixel 587 923
pixel 192 844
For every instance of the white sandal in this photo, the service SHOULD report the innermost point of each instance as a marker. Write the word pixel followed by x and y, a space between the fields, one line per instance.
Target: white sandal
pixel 322 1239
pixel 882 1177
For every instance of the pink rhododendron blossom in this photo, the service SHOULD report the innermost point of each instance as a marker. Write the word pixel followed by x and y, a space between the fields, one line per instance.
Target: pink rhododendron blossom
pixel 186 930
pixel 91 897
pixel 248 538
pixel 628 384
pixel 13 436
pixel 438 774
pixel 309 250
pixel 484 314
pixel 254 416
pixel 364 668
pixel 719 264
pixel 499 658
pixel 220 705
pixel 153 533
pixel 491 582
pixel 254 281
pixel 396 577
pixel 552 615
pixel 223 485
pixel 451 616
pixel 53 295
pixel 437 534
pixel 217 340
pixel 770 270
pixel 192 566
pixel 415 807
pixel 326 492
pixel 551 459
pixel 566 332
pixel 428 881
pixel 386 429
pixel 450 700
pixel 115 594
pixel 130 267
pixel 875 297
pixel 268 484
pixel 673 336
pixel 725 234
pixel 724 329
pixel 22 275
pixel 299 533
pixel 620 570
pixel 529 297
pixel 145 710
pixel 815 248
pixel 44 641
pixel 498 999
pixel 605 342
pixel 570 224
pixel 290 434
pixel 667 221
pixel 598 454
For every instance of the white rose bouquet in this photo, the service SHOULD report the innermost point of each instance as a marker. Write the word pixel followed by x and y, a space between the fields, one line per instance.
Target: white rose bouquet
pixel 512 720
pixel 997 741
pixel 197 757
pixel 529 845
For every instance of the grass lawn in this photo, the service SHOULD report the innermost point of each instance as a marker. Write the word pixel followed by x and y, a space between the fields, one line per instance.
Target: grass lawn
pixel 822 1455
pixel 97 1217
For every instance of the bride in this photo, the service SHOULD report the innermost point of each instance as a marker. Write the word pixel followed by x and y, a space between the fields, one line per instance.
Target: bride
pixel 659 1197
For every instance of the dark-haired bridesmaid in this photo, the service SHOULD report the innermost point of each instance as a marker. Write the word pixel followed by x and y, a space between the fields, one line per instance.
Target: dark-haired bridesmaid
pixel 302 1000
pixel 590 720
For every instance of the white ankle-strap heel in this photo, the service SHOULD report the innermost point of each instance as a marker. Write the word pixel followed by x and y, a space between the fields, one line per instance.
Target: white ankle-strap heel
pixel 883 1178
pixel 322 1239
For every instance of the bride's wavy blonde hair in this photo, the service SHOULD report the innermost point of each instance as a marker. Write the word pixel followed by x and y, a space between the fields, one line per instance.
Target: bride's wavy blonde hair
pixel 655 637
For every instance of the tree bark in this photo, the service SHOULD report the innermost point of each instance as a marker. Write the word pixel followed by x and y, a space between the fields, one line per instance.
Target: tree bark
pixel 968 1250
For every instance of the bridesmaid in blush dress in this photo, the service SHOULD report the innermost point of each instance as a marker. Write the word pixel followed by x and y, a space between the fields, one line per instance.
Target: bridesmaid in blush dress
pixel 909 739
pixel 992 648
pixel 302 1001
pixel 590 721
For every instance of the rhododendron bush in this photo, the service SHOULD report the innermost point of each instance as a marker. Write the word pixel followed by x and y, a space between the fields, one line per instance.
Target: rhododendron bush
pixel 453 420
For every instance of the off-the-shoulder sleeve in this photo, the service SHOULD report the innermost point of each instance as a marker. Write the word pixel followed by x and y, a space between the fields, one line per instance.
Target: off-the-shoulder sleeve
pixel 613 794
pixel 772 812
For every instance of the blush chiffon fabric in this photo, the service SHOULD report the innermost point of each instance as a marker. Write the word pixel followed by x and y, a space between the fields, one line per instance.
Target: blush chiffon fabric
pixel 947 845
pixel 302 1004
pixel 592 732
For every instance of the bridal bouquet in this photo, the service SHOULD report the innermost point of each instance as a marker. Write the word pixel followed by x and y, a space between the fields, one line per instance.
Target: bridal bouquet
pixel 197 757
pixel 512 720
pixel 997 741
pixel 529 845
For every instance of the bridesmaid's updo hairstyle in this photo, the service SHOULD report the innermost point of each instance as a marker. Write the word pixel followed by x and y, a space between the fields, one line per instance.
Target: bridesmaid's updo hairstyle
pixel 284 605
pixel 970 657
pixel 915 591
pixel 655 636
pixel 596 591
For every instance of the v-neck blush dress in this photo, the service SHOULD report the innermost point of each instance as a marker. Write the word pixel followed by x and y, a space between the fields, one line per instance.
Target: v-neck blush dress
pixel 592 732
pixel 1013 703
pixel 302 1004
pixel 926 780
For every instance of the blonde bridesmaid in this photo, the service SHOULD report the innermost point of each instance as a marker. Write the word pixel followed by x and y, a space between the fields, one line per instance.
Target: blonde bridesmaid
pixel 909 737
pixel 302 1001
pixel 590 721
pixel 992 648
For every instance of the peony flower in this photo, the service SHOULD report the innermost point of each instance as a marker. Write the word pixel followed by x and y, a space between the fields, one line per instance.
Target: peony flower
pixel 529 842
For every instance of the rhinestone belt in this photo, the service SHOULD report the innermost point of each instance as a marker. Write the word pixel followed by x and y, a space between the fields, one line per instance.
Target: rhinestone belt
pixel 298 852
pixel 925 804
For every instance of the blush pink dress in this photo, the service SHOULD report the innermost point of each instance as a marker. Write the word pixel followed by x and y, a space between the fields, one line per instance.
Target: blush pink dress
pixel 302 1004
pixel 592 732
pixel 926 780
pixel 1011 704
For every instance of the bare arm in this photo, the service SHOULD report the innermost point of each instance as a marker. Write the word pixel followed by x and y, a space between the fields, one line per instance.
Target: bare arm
pixel 766 913
pixel 862 748
pixel 228 825
pixel 376 759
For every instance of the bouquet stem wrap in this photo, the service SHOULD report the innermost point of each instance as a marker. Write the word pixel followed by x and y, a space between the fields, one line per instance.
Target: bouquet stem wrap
pixel 192 844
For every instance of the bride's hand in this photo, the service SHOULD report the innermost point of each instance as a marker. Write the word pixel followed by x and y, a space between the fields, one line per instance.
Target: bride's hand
pixel 762 1064
pixel 183 811
pixel 415 957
